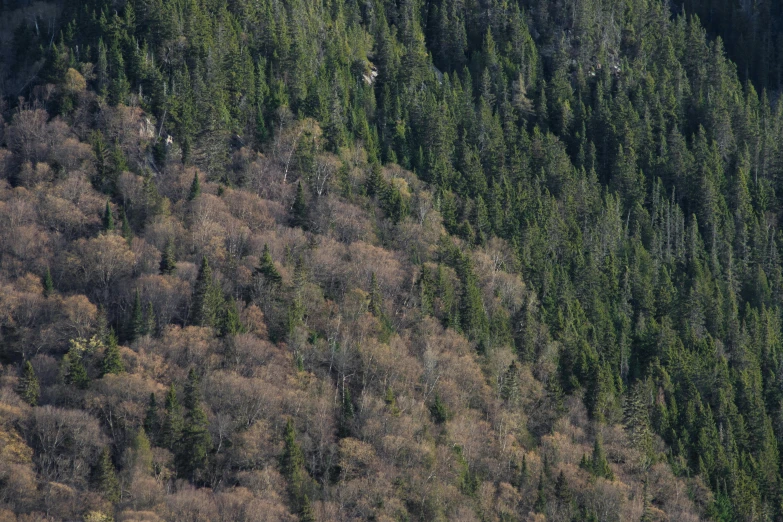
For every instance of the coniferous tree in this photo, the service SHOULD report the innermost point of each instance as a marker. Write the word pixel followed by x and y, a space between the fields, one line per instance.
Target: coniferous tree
pixel 438 410
pixel 106 478
pixel 267 269
pixel 108 218
pixel 171 426
pixel 299 208
pixel 192 452
pixel 151 419
pixel 112 361
pixel 168 260
pixel 76 372
pixel 292 466
pixel 207 301
pixel 28 387
pixel 195 188
pixel 48 283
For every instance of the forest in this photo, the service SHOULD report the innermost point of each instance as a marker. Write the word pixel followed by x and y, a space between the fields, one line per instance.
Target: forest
pixel 391 260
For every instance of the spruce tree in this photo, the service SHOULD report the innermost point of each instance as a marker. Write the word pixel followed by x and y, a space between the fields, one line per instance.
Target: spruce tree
pixel 438 410
pixel 541 495
pixel 195 188
pixel 299 208
pixel 76 373
pixel 28 387
pixel 108 218
pixel 207 301
pixel 192 453
pixel 171 427
pixel 112 361
pixel 168 260
pixel 267 269
pixel 598 463
pixel 151 419
pixel 48 283
pixel 106 478
pixel 292 466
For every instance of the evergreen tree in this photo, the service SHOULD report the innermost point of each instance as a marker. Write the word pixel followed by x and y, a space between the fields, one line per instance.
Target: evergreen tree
pixel 48 283
pixel 28 388
pixel 376 299
pixel 299 208
pixel 438 410
pixel 207 301
pixel 108 218
pixel 151 419
pixel 76 372
pixel 168 260
pixel 195 188
pixel 112 361
pixel 106 478
pixel 292 466
pixel 172 424
pixel 267 269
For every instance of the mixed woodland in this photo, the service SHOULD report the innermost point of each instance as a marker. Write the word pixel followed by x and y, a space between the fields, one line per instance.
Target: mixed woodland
pixel 391 260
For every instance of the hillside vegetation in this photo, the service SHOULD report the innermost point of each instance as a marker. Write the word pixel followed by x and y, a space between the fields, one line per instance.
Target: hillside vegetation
pixel 393 261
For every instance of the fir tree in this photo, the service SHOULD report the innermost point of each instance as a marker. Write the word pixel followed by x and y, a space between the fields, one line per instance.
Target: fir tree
pixel 438 410
pixel 151 420
pixel 171 427
pixel 541 495
pixel 207 301
pixel 112 361
pixel 106 478
pixel 266 267
pixel 168 260
pixel 299 208
pixel 195 188
pixel 28 388
pixel 292 466
pixel 48 283
pixel 76 373
pixel 108 218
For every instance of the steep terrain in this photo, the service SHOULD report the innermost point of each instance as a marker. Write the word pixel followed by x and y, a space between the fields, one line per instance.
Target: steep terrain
pixel 391 261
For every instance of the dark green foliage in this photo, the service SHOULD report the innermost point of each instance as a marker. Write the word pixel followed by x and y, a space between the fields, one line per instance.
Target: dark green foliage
pixel 195 188
pixel 439 411
pixel 207 302
pixel 28 388
pixel 168 260
pixel 151 418
pixel 112 361
pixel 76 372
pixel 597 463
pixel 267 269
pixel 108 218
pixel 299 208
pixel 194 446
pixel 105 480
pixel 635 180
pixel 292 467
pixel 48 283
pixel 172 423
